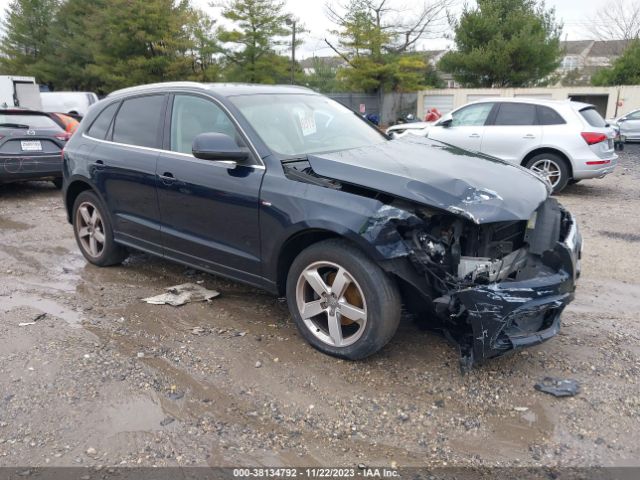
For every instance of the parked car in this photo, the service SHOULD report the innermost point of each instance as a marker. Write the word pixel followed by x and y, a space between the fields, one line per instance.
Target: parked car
pixel 286 190
pixel 31 143
pixel 71 103
pixel 562 141
pixel 629 125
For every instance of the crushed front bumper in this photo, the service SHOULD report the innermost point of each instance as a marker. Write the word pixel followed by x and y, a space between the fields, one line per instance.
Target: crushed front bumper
pixel 506 316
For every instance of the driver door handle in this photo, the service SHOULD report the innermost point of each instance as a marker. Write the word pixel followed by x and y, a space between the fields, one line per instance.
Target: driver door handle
pixel 474 135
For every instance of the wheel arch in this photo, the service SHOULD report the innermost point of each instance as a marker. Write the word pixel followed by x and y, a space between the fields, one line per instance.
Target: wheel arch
pixel 75 188
pixel 303 239
pixel 552 150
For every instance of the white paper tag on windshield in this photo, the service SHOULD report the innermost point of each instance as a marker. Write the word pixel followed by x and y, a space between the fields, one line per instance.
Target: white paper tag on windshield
pixel 307 123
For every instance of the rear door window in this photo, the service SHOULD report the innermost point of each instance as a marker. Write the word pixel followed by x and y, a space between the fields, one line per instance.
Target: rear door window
pixel 31 121
pixel 138 121
pixel 548 116
pixel 101 124
pixel 593 118
pixel 516 114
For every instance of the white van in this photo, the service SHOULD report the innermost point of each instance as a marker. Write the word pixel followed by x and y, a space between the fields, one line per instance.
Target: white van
pixel 20 92
pixel 74 103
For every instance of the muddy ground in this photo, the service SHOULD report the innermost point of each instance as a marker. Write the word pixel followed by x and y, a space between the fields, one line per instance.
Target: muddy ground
pixel 98 377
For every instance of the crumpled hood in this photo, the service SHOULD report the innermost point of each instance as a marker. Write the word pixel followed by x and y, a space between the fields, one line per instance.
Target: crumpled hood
pixel 431 173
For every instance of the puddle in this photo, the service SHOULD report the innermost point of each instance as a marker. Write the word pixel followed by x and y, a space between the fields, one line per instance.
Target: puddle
pixel 50 307
pixel 138 414
pixel 8 224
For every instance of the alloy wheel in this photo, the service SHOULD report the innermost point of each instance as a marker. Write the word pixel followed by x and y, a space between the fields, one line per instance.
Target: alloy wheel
pixel 90 229
pixel 549 170
pixel 331 304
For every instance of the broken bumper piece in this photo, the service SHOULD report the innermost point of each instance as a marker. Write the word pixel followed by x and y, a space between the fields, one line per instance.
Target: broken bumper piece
pixel 503 317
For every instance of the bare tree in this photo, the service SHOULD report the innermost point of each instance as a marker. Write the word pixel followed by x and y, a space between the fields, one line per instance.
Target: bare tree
pixel 375 27
pixel 617 20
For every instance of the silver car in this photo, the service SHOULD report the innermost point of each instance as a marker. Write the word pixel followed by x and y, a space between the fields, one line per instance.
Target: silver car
pixel 629 125
pixel 562 141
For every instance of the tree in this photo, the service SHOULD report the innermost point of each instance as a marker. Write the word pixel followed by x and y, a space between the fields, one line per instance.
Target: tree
pixel 376 38
pixel 504 43
pixel 617 20
pixel 251 43
pixel 624 71
pixel 205 46
pixel 24 45
pixel 323 77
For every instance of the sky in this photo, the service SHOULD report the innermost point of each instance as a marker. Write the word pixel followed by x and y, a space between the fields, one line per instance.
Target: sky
pixel 573 13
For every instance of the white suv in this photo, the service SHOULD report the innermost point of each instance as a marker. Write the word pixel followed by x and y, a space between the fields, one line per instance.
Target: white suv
pixel 562 141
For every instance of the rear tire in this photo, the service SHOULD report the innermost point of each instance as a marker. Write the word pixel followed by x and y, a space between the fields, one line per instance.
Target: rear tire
pixel 343 303
pixel 551 166
pixel 93 232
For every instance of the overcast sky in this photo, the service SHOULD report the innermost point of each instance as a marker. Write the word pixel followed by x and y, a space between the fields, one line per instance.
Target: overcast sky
pixel 573 13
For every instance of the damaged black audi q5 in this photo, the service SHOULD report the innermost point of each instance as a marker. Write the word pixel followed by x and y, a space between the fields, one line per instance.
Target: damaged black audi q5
pixel 287 190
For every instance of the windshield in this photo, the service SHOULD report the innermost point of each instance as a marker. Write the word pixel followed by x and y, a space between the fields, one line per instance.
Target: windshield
pixel 303 124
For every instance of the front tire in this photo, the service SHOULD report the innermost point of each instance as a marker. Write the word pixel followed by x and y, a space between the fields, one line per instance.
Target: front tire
pixel 343 303
pixel 93 232
pixel 552 167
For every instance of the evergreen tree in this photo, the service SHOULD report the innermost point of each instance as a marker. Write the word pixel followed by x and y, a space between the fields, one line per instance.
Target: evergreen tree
pixel 504 43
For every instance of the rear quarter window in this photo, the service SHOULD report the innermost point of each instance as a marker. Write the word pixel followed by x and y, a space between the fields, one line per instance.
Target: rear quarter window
pixel 593 118
pixel 100 126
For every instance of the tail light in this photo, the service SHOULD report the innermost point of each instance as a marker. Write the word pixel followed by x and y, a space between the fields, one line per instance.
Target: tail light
pixel 64 136
pixel 592 138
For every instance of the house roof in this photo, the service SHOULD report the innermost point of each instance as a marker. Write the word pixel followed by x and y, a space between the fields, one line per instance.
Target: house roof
pixel 575 47
pixel 608 48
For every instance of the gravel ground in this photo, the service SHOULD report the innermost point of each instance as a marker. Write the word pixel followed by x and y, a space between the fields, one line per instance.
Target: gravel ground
pixel 98 378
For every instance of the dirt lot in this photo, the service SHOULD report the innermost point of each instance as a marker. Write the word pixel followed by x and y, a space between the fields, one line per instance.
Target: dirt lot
pixel 102 378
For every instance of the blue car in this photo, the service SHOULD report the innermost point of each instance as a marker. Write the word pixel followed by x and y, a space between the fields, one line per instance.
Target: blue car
pixel 286 190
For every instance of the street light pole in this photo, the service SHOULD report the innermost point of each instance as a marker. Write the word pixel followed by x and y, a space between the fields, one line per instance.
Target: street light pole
pixel 291 22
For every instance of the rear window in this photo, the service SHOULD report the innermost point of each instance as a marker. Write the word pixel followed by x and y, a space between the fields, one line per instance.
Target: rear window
pixel 593 118
pixel 101 124
pixel 32 121
pixel 548 116
pixel 516 114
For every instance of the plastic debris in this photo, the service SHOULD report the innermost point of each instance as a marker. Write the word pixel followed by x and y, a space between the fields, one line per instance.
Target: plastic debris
pixel 558 387
pixel 182 294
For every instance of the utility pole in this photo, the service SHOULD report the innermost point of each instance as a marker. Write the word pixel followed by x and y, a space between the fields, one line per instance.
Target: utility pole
pixel 290 21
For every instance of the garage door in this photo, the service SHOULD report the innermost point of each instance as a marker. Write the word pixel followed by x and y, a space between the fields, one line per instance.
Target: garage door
pixel 475 98
pixel 542 96
pixel 444 103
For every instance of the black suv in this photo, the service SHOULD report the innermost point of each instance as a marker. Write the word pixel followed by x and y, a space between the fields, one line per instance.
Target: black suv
pixel 287 190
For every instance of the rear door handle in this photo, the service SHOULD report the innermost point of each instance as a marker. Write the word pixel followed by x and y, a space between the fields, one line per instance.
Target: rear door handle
pixel 167 178
pixel 99 164
pixel 529 137
pixel 474 135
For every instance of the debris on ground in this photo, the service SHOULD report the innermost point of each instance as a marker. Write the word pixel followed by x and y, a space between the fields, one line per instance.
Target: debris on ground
pixel 38 317
pixel 558 387
pixel 182 294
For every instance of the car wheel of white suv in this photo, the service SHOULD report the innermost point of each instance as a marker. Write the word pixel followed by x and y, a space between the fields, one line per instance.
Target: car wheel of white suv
pixel 552 167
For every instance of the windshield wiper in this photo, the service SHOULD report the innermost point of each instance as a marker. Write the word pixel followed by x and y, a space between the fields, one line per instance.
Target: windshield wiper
pixel 14 125
pixel 294 159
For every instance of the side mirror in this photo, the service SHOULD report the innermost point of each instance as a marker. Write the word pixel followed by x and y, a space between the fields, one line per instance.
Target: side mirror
pixel 446 123
pixel 218 147
pixel 623 119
